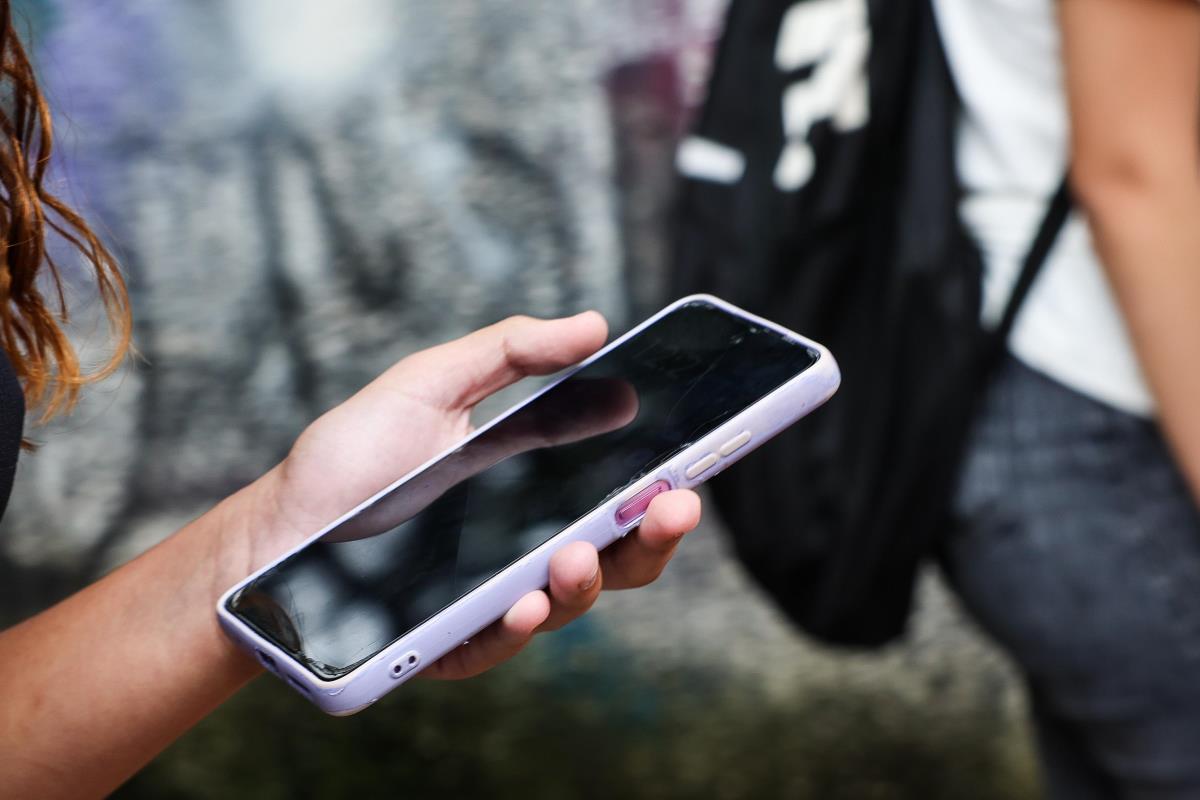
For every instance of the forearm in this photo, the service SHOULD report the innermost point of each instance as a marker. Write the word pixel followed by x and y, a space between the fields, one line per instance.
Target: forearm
pixel 1132 70
pixel 1148 236
pixel 109 677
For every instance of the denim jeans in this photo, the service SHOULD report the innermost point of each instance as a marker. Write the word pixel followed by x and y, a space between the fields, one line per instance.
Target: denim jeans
pixel 1078 549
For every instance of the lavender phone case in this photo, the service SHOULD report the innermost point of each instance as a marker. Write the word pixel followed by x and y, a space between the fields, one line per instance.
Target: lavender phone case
pixel 458 622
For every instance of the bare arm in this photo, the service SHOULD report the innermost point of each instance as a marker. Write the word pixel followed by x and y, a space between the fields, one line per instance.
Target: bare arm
pixel 1133 85
pixel 109 677
pixel 113 674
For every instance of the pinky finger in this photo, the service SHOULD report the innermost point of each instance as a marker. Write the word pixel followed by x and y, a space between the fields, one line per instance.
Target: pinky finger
pixel 496 643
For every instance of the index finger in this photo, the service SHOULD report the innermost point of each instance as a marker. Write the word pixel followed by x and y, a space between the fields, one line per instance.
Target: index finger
pixel 641 556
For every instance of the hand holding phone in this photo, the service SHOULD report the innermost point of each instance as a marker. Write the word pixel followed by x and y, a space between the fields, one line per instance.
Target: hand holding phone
pixel 421 406
pixel 435 557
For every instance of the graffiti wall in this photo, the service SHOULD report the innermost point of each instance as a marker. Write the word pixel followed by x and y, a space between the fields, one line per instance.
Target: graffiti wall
pixel 302 193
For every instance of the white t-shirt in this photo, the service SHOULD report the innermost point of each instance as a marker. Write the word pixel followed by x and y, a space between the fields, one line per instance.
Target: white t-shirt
pixel 1012 145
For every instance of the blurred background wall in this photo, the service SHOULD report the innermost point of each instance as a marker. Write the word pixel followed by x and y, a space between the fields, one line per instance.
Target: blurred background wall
pixel 303 192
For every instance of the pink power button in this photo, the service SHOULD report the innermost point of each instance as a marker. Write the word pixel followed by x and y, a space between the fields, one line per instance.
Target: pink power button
pixel 637 505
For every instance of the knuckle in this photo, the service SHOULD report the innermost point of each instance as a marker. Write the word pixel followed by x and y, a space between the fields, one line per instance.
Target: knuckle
pixel 514 322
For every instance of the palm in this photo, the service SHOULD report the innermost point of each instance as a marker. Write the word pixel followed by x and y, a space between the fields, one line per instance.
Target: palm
pixel 359 448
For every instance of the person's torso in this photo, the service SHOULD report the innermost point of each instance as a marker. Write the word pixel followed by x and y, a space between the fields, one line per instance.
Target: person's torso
pixel 12 421
pixel 1012 153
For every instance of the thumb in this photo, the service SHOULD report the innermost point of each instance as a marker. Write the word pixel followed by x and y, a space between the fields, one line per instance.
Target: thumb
pixel 457 375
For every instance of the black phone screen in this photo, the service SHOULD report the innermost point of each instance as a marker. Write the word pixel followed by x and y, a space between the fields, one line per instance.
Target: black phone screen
pixel 433 539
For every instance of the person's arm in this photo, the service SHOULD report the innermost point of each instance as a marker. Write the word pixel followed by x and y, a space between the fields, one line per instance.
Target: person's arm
pixel 103 681
pixel 1133 85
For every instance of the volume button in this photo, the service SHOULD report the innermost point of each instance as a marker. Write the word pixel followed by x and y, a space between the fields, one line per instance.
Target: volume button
pixel 735 444
pixel 703 465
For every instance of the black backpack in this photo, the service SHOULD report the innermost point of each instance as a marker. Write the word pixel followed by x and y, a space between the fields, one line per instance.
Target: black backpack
pixel 856 243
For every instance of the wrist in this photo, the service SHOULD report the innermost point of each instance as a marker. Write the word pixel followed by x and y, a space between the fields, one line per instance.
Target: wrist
pixel 241 534
pixel 254 527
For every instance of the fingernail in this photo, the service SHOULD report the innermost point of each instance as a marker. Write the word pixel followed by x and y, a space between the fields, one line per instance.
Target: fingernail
pixel 590 582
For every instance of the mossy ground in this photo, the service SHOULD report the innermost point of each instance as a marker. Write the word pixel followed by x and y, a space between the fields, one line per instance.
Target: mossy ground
pixel 587 728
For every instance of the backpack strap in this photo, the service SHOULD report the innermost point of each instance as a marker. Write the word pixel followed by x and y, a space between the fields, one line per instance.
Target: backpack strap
pixel 1043 242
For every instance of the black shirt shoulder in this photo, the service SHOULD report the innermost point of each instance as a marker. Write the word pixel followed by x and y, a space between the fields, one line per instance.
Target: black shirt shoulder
pixel 12 424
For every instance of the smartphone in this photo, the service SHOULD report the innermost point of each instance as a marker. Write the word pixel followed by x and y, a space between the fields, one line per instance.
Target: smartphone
pixel 431 560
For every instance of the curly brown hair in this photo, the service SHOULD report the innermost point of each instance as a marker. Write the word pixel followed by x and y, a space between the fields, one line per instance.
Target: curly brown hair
pixel 31 327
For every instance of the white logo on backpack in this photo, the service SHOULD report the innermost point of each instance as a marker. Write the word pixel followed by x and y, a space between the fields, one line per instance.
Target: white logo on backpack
pixel 833 36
